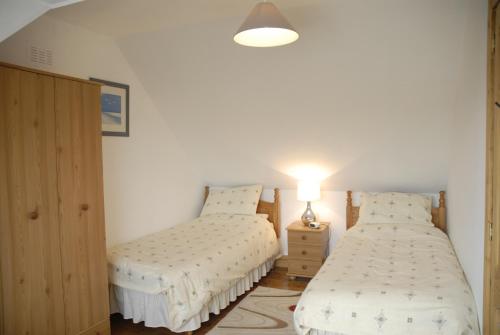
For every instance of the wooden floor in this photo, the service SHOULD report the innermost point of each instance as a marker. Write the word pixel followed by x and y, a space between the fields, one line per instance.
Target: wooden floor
pixel 276 278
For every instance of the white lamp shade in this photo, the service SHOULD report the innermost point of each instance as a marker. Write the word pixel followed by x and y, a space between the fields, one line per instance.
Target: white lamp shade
pixel 265 27
pixel 308 190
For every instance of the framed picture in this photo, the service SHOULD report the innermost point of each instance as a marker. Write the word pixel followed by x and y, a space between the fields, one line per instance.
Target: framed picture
pixel 114 108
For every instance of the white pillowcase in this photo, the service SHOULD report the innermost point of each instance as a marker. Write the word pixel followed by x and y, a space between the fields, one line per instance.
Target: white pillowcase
pixel 394 207
pixel 238 200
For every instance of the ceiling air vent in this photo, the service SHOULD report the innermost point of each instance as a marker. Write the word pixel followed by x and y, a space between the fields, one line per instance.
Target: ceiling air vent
pixel 40 55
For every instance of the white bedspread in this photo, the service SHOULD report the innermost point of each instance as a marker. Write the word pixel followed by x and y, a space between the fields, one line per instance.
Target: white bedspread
pixel 389 279
pixel 192 262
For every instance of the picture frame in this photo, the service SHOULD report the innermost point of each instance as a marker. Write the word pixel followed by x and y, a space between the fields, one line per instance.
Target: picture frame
pixel 115 118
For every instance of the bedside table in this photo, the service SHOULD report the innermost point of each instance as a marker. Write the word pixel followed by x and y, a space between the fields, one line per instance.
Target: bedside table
pixel 307 249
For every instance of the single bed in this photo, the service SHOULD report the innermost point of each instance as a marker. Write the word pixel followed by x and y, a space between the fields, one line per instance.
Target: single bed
pixel 175 278
pixel 389 278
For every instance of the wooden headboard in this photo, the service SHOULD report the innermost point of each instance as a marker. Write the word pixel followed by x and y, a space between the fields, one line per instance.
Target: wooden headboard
pixel 438 213
pixel 272 209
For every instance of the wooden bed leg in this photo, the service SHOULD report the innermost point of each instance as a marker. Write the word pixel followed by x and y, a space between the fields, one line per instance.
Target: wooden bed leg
pixel 189 333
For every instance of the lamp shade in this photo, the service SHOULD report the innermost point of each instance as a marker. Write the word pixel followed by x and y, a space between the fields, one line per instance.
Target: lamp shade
pixel 265 27
pixel 308 190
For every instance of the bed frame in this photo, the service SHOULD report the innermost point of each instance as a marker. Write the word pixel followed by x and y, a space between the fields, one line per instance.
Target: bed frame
pixel 438 213
pixel 272 209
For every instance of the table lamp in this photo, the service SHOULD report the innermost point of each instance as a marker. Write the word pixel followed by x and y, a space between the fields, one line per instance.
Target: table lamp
pixel 308 190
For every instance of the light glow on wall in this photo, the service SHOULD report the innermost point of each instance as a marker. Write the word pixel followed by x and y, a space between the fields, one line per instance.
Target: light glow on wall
pixel 309 172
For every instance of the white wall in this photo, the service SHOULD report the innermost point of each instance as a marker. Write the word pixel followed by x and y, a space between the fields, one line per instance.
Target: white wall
pixel 15 14
pixel 149 183
pixel 466 186
pixel 367 92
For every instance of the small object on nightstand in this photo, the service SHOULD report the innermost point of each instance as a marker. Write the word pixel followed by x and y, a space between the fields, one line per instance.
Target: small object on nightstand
pixel 307 249
pixel 314 225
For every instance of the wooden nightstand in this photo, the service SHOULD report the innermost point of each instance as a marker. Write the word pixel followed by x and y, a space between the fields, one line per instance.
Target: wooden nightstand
pixel 307 249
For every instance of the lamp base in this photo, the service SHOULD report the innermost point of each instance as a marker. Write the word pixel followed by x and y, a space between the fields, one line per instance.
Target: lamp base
pixel 308 215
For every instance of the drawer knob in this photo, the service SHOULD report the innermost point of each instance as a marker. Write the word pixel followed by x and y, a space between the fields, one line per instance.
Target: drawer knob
pixel 304 237
pixel 84 207
pixel 33 215
pixel 304 252
pixel 304 267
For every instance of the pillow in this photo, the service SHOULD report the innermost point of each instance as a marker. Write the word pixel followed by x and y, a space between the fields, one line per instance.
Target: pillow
pixel 395 207
pixel 238 200
pixel 263 215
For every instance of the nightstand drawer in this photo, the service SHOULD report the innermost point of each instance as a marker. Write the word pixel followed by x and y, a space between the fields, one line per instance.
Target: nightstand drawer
pixel 302 251
pixel 305 268
pixel 305 237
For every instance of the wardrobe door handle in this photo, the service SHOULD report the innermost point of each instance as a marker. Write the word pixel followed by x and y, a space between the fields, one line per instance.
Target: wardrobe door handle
pixel 84 207
pixel 34 215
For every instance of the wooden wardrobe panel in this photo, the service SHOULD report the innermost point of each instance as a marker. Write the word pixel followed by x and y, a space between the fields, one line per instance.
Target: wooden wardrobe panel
pixel 94 198
pixel 79 161
pixel 30 267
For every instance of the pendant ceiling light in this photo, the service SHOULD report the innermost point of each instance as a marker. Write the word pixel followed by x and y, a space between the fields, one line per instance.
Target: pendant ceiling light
pixel 265 27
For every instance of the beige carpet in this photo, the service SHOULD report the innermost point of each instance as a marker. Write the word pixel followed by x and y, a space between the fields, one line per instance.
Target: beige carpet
pixel 264 311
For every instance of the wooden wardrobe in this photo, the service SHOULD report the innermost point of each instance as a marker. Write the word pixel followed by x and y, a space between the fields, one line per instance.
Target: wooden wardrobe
pixel 53 272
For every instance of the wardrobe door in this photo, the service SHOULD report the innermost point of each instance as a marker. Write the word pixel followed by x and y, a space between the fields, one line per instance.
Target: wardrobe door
pixel 30 259
pixel 79 162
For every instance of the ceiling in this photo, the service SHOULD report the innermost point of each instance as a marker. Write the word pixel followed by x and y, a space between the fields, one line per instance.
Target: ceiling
pixel 15 14
pixel 59 3
pixel 118 18
pixel 367 92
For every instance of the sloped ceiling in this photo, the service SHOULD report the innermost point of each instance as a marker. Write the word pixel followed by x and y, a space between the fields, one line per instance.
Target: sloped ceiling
pixel 120 18
pixel 15 14
pixel 366 94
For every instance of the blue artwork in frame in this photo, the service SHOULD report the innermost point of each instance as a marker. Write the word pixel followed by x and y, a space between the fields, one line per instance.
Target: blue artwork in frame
pixel 114 108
